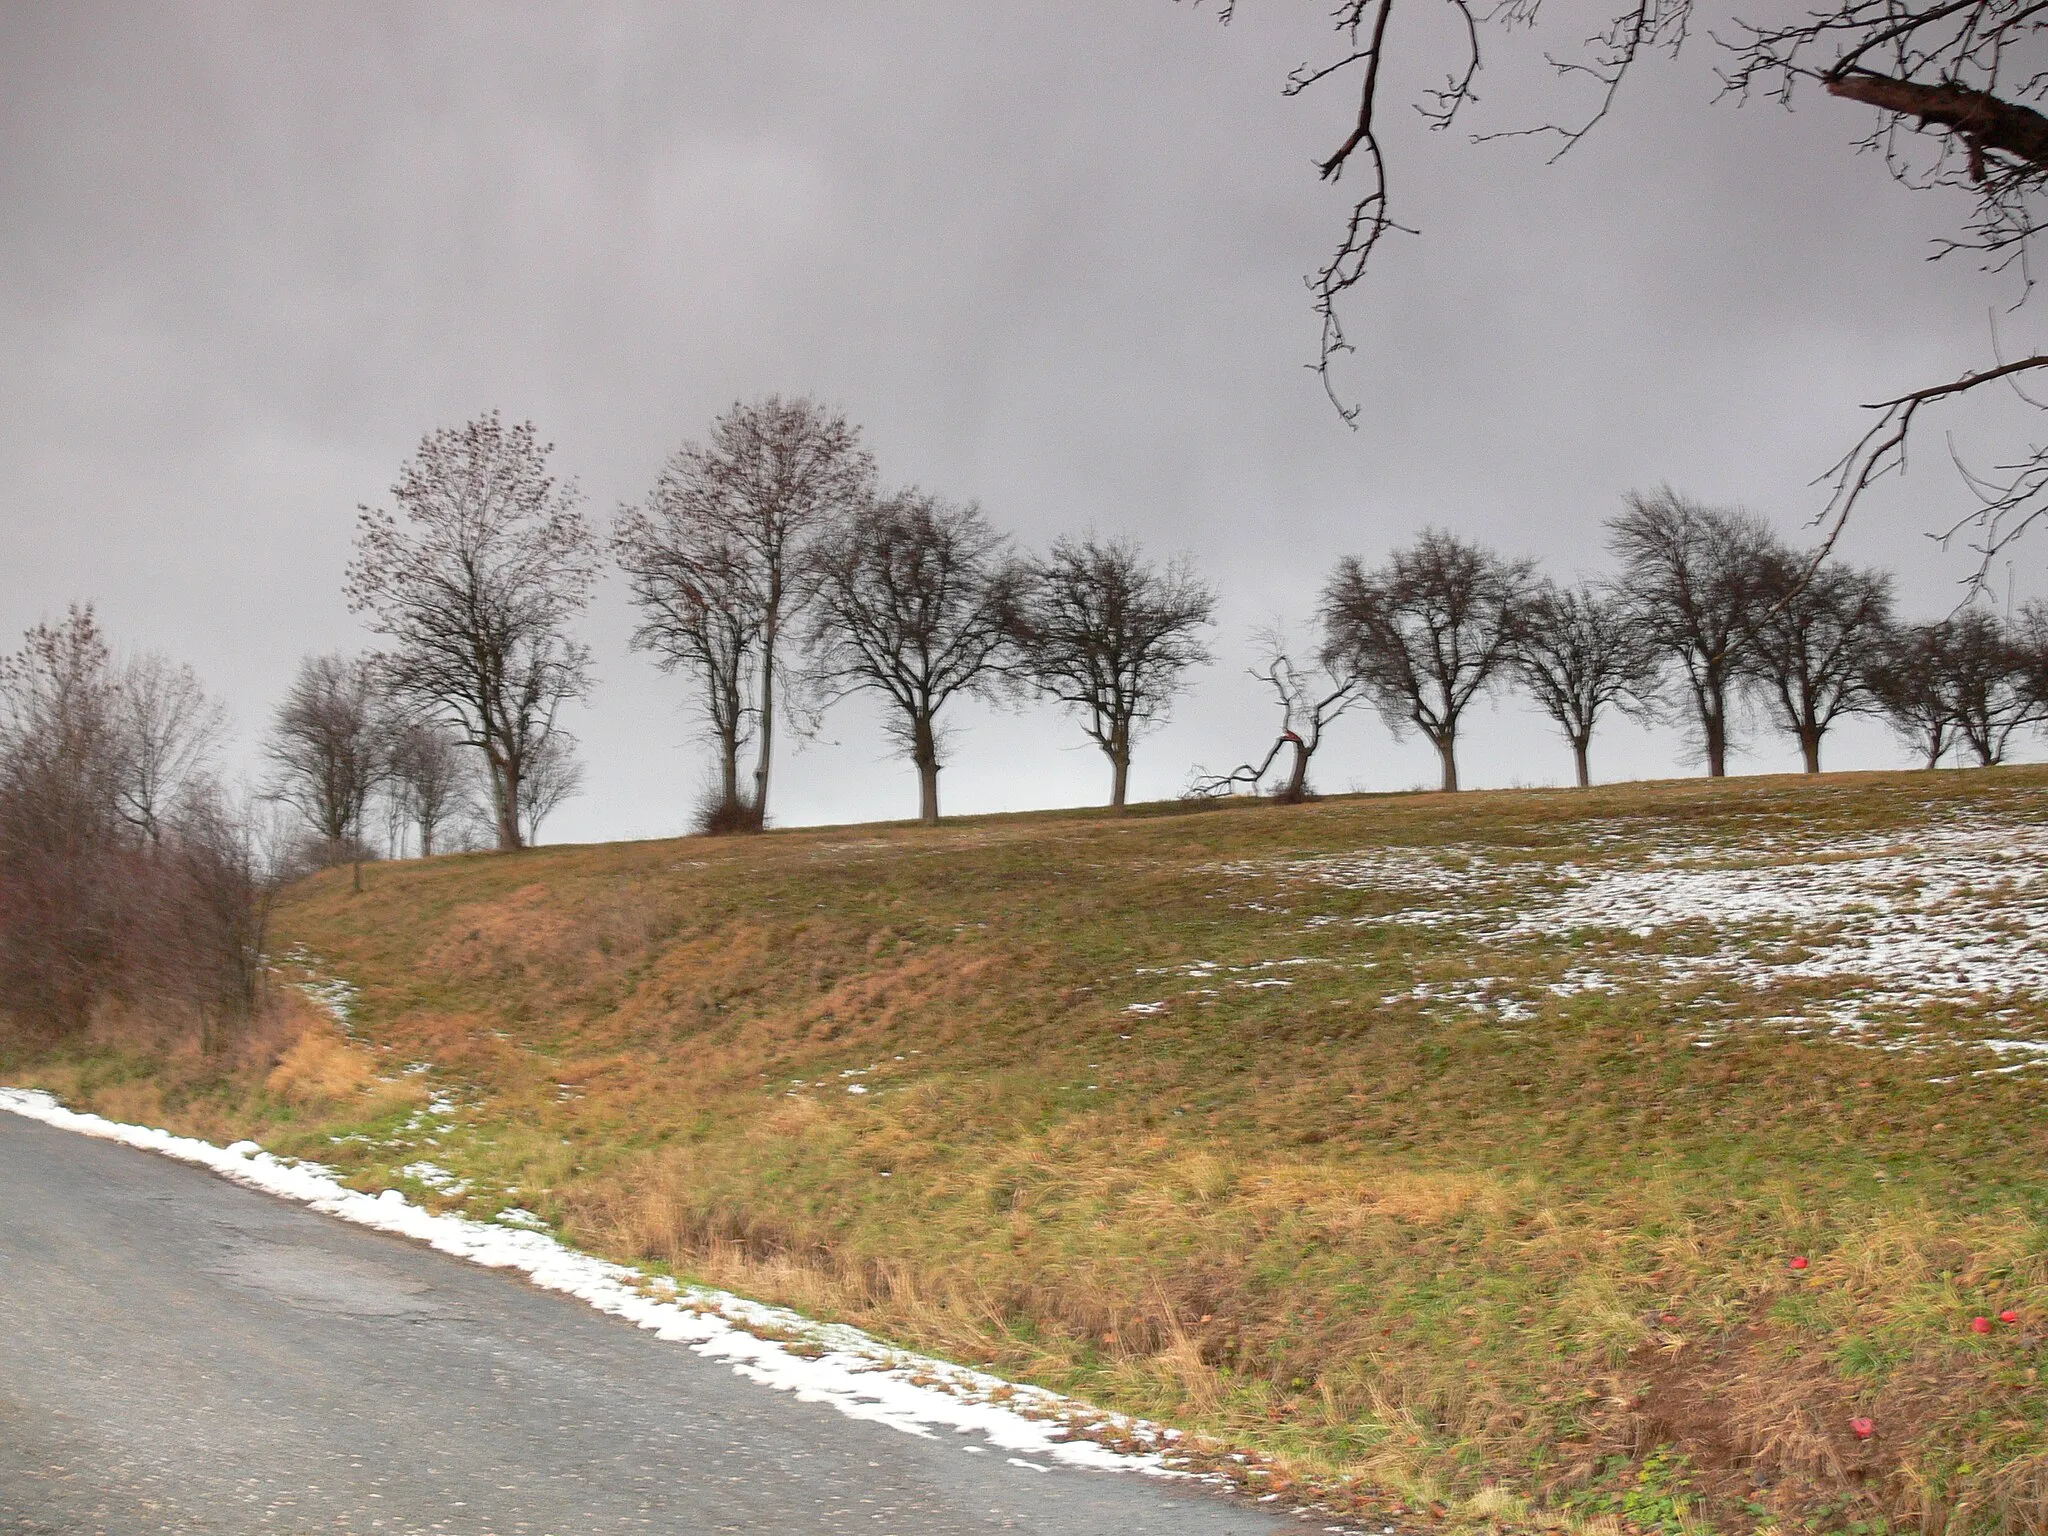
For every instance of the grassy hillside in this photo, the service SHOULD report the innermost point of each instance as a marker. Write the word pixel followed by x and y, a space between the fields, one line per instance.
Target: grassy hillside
pixel 1461 1145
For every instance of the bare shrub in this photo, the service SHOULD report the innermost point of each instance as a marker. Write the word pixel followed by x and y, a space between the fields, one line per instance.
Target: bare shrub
pixel 723 813
pixel 111 893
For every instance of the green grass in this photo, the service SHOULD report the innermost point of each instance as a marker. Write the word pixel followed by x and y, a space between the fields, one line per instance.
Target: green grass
pixel 1489 1262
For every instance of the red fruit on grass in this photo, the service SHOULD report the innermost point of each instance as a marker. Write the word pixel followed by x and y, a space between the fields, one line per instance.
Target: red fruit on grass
pixel 1980 1325
pixel 1799 1263
pixel 2008 1317
pixel 1863 1429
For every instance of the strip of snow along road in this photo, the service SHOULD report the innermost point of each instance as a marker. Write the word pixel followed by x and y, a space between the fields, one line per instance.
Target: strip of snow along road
pixel 858 1375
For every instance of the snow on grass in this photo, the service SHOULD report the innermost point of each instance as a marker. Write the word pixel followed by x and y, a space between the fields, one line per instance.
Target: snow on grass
pixel 842 1367
pixel 436 1178
pixel 333 996
pixel 1955 914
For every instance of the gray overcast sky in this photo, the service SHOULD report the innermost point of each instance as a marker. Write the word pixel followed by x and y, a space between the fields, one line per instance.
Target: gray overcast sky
pixel 1050 257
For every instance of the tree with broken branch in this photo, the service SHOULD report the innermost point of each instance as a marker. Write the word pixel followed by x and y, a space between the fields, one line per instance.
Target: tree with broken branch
pixel 1311 697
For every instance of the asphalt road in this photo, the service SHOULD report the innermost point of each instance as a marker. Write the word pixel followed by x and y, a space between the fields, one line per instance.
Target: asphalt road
pixel 178 1353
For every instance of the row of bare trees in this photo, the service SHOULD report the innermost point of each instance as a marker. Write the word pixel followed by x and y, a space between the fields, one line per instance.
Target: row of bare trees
pixel 770 567
pixel 350 752
pixel 128 872
pixel 1709 617
pixel 773 571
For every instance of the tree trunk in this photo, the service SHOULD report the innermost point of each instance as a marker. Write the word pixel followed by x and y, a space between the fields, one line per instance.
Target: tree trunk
pixel 1580 744
pixel 1714 727
pixel 925 752
pixel 761 760
pixel 1120 767
pixel 426 838
pixel 1809 747
pixel 728 768
pixel 1297 780
pixel 1447 749
pixel 509 840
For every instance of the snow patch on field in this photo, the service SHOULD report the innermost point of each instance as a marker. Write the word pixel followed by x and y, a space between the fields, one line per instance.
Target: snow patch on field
pixel 1956 914
pixel 843 1367
pixel 333 996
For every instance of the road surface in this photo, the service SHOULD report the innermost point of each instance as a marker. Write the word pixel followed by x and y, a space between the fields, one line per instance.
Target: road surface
pixel 181 1354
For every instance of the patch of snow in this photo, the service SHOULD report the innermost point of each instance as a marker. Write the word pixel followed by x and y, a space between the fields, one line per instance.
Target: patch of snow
pixel 434 1177
pixel 1952 913
pixel 330 994
pixel 855 1374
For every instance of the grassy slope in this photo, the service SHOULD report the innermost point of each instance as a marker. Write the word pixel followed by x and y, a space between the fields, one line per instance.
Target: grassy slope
pixel 1377 1231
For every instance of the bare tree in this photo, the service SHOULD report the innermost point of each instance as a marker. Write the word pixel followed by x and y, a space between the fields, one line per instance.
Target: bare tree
pixel 1809 640
pixel 329 751
pixel 430 779
pixel 1909 677
pixel 553 775
pixel 1310 698
pixel 1580 651
pixel 475 581
pixel 1955 86
pixel 1988 674
pixel 1426 632
pixel 1112 637
pixel 169 731
pixel 915 603
pixel 61 884
pixel 701 610
pixel 1691 575
pixel 747 509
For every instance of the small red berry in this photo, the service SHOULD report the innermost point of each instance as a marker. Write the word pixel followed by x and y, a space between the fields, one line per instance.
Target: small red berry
pixel 1800 1262
pixel 2008 1316
pixel 1980 1325
pixel 1863 1429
